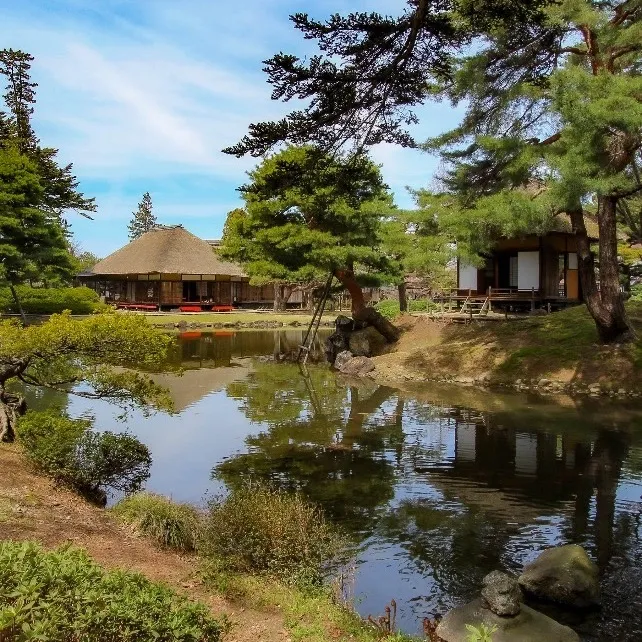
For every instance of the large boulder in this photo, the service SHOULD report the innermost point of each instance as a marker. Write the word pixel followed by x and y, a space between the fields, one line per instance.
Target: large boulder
pixel 528 626
pixel 565 575
pixel 366 342
pixel 337 342
pixel 501 594
pixel 350 365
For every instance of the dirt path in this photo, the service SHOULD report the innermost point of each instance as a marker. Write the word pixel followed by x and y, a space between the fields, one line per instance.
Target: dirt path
pixel 32 508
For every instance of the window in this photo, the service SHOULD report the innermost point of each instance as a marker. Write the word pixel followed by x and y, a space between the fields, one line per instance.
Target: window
pixel 512 275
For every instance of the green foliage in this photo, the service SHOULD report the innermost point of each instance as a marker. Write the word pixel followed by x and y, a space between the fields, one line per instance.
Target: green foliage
pixel 143 219
pixel 30 241
pixel 481 633
pixel 308 214
pixel 170 524
pixel 64 595
pixel 260 530
pixel 69 451
pixel 59 187
pixel 389 308
pixel 81 300
pixel 99 350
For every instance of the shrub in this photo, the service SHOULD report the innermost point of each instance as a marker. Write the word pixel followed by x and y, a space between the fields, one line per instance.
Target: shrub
pixel 81 300
pixel 388 308
pixel 64 595
pixel 260 530
pixel 69 451
pixel 170 524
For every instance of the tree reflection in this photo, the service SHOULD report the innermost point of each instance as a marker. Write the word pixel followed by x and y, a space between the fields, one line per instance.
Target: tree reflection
pixel 323 437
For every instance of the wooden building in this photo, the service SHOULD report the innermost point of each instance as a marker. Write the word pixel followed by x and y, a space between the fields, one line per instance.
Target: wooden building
pixel 168 267
pixel 541 268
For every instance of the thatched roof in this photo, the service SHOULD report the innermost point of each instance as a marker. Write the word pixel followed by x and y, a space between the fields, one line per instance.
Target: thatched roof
pixel 166 250
pixel 562 223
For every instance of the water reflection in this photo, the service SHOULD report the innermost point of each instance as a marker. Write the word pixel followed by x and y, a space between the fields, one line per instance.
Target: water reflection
pixel 437 486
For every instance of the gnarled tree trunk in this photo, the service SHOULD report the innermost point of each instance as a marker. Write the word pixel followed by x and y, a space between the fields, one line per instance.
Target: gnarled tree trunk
pixel 606 304
pixel 11 407
pixel 362 312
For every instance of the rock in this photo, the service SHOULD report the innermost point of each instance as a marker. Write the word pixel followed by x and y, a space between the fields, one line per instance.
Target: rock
pixel 595 389
pixel 501 594
pixel 342 358
pixel 527 626
pixel 366 342
pixel 344 324
pixel 565 575
pixel 337 342
pixel 358 366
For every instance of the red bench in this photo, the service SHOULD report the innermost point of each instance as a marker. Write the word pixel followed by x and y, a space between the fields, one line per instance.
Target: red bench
pixel 223 308
pixel 136 306
pixel 191 308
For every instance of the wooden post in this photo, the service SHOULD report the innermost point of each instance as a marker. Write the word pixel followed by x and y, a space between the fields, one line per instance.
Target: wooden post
pixel 490 303
pixel 532 299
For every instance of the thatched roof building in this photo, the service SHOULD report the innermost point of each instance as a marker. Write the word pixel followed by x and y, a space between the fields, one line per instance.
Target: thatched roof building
pixel 166 250
pixel 170 267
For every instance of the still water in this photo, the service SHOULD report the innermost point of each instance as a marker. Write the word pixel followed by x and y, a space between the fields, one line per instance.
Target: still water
pixel 438 486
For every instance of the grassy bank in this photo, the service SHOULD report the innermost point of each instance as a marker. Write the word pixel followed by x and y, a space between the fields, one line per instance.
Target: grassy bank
pixel 556 351
pixel 260 606
pixel 244 318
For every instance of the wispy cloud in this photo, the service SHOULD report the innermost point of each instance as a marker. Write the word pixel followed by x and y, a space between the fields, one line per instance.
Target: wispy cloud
pixel 143 96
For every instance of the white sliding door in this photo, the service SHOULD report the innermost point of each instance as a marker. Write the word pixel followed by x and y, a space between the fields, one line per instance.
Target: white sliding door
pixel 527 270
pixel 467 277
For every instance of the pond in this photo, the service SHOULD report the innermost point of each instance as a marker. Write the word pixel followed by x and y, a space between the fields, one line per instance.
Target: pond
pixel 438 486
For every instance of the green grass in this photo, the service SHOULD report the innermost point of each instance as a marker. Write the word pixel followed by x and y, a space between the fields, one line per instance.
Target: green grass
pixel 538 347
pixel 170 524
pixel 310 615
pixel 244 318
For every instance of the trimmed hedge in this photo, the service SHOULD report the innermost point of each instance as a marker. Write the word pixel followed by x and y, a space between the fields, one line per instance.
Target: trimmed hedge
pixel 80 300
pixel 65 595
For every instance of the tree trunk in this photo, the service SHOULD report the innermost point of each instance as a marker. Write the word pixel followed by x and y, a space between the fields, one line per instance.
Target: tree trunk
pixel 14 294
pixel 11 407
pixel 605 305
pixel 361 312
pixel 403 299
pixel 277 297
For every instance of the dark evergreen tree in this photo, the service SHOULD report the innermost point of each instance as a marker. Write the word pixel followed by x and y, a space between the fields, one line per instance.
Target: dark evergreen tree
pixel 308 214
pixel 553 116
pixel 31 244
pixel 59 186
pixel 143 218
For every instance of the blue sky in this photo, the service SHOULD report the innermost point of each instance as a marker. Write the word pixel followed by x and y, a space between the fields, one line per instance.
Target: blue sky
pixel 141 95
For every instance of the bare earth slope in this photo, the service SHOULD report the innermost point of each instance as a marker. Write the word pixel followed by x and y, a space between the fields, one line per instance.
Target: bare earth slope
pixel 33 508
pixel 560 347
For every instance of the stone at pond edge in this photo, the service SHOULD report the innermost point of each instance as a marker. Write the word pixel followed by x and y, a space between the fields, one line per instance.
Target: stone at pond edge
pixel 347 364
pixel 528 626
pixel 366 342
pixel 565 575
pixel 501 594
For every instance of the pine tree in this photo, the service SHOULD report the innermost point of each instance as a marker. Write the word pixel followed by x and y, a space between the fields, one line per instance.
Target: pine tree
pixel 553 111
pixel 308 214
pixel 59 185
pixel 31 243
pixel 143 218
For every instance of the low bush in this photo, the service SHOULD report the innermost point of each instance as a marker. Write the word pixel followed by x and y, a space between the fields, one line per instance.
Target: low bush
pixel 170 524
pixel 69 451
pixel 64 595
pixel 81 300
pixel 390 308
pixel 259 530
